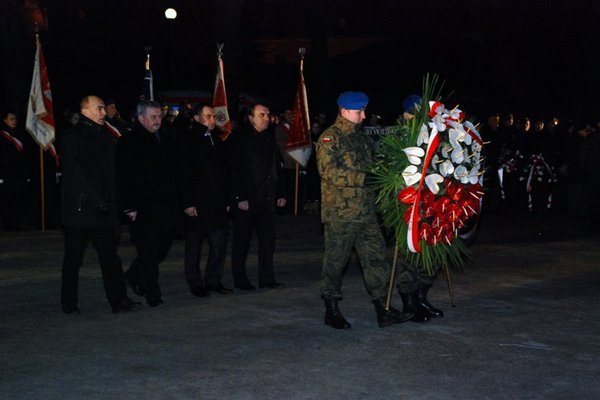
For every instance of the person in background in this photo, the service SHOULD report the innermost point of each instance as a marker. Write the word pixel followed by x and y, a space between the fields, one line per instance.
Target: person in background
pixel 89 212
pixel 204 185
pixel 148 196
pixel 258 188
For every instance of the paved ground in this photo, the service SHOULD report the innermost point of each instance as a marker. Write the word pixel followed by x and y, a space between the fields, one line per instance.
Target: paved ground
pixel 525 327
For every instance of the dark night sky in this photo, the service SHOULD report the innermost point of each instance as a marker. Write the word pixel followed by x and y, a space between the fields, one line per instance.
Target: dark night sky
pixel 534 57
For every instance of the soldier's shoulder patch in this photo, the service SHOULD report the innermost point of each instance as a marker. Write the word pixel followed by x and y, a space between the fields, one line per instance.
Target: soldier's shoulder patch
pixel 326 139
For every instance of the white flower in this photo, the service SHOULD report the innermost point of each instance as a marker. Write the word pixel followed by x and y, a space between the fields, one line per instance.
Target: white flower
pixel 414 154
pixel 446 168
pixel 432 182
pixel 455 114
pixel 473 176
pixel 411 175
pixel 461 174
pixel 456 135
pixel 439 122
pixel 446 149
pixel 423 135
pixel 458 155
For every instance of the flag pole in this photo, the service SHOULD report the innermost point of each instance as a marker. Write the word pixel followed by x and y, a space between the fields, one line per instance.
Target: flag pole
pixel 42 191
pixel 301 52
pixel 148 48
pixel 42 174
pixel 388 300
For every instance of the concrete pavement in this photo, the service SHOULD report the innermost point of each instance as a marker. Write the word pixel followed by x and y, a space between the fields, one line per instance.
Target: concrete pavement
pixel 525 327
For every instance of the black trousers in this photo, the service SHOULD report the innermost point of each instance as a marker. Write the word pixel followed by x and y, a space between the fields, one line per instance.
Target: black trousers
pixel 105 243
pixel 213 273
pixel 152 242
pixel 244 223
pixel 12 201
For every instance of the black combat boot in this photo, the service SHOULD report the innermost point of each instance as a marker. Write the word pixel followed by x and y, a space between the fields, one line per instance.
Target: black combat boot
pixel 425 305
pixel 409 300
pixel 389 316
pixel 333 315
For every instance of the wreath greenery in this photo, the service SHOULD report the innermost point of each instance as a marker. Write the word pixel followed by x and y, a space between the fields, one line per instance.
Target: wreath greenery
pixel 427 179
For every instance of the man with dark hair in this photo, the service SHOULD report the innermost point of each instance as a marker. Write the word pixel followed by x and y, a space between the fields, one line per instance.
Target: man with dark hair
pixel 348 213
pixel 204 187
pixel 148 198
pixel 258 188
pixel 89 207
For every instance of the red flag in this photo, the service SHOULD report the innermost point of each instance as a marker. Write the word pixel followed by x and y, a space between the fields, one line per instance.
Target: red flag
pixel 299 144
pixel 40 115
pixel 220 103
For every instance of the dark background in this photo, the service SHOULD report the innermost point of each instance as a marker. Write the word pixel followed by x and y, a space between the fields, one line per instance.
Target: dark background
pixel 529 57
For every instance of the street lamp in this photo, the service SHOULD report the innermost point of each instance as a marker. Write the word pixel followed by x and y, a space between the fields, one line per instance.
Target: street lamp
pixel 170 13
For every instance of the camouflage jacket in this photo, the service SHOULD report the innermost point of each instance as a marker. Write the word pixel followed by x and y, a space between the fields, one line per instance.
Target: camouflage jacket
pixel 343 156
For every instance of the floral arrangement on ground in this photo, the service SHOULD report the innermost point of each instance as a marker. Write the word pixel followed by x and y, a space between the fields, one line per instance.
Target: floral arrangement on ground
pixel 427 179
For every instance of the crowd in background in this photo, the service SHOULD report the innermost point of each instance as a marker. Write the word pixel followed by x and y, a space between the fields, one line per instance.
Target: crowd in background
pixel 533 164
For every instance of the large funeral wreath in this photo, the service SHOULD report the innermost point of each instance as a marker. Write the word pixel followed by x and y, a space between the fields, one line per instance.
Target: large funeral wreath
pixel 428 178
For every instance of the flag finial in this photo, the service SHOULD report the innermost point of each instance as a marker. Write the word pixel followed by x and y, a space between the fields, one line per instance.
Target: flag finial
pixel 147 48
pixel 220 49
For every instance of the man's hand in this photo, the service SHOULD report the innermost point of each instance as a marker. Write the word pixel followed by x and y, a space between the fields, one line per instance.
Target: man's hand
pixel 281 202
pixel 132 215
pixel 191 212
pixel 243 205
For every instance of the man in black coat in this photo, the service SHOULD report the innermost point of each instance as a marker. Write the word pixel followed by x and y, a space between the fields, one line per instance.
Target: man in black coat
pixel 88 207
pixel 257 189
pixel 204 185
pixel 147 193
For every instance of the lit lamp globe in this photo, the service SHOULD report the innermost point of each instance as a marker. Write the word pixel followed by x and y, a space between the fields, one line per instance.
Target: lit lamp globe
pixel 170 13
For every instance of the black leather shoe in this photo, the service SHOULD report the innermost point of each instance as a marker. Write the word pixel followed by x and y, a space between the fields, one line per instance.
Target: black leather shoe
pixel 199 291
pixel 126 305
pixel 71 309
pixel 136 286
pixel 274 285
pixel 220 289
pixel 245 286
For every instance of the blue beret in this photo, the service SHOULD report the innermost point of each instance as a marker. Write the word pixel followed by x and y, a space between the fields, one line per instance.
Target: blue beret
pixel 410 103
pixel 353 100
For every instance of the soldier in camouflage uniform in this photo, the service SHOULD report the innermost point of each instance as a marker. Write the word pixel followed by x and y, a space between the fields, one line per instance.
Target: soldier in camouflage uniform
pixel 348 213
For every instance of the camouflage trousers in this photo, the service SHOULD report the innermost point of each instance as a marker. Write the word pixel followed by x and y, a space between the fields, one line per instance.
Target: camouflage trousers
pixel 409 278
pixel 367 239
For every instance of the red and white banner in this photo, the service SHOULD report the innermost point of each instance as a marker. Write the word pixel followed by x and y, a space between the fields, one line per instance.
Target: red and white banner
pixel 220 103
pixel 40 115
pixel 112 129
pixel 299 144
